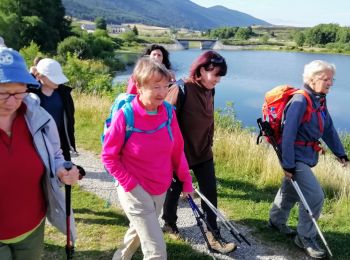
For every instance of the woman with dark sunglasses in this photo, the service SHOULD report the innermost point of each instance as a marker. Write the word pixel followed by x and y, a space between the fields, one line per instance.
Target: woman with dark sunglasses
pixel 195 114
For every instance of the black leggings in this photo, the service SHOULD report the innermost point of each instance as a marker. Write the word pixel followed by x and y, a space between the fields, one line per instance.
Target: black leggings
pixel 205 175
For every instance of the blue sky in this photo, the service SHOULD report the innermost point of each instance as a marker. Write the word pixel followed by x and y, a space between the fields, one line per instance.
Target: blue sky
pixel 290 12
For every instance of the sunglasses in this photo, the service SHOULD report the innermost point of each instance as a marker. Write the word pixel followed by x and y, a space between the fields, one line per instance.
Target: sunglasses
pixel 217 60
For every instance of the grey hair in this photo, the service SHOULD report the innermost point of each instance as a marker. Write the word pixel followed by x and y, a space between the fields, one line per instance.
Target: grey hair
pixel 145 69
pixel 315 68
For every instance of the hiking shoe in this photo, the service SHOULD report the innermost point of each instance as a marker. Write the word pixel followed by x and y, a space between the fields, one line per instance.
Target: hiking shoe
pixel 310 246
pixel 171 229
pixel 218 244
pixel 282 228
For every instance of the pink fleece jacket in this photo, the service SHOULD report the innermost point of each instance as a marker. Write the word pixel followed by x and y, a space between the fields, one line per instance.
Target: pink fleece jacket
pixel 146 159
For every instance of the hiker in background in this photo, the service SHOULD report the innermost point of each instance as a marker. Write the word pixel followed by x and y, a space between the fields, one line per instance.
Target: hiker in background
pixel 157 53
pixel 31 164
pixel 144 164
pixel 33 69
pixel 196 121
pixel 300 147
pixel 2 42
pixel 57 100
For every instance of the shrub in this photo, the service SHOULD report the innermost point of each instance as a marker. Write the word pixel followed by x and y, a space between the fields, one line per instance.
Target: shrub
pixel 30 52
pixel 74 45
pixel 88 76
pixel 226 118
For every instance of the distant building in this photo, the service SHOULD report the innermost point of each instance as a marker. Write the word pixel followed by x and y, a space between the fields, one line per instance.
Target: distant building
pixel 116 29
pixel 90 28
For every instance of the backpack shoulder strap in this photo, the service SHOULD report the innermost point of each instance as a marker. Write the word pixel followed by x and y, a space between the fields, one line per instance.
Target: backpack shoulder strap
pixel 309 107
pixel 169 111
pixel 182 94
pixel 129 119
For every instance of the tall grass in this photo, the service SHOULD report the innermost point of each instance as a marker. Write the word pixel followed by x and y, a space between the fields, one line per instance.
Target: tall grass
pixel 239 151
pixel 90 113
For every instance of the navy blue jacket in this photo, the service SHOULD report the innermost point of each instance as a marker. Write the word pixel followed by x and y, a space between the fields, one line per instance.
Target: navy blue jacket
pixel 296 130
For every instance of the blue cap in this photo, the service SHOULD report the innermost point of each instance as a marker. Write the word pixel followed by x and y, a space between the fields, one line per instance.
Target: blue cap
pixel 13 68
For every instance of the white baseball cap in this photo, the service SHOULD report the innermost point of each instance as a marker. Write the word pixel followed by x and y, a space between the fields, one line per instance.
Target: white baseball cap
pixel 2 42
pixel 51 69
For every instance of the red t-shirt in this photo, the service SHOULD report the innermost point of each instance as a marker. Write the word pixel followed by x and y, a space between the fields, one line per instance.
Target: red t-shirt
pixel 22 202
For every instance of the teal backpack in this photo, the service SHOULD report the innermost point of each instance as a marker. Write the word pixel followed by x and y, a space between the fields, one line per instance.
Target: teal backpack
pixel 124 101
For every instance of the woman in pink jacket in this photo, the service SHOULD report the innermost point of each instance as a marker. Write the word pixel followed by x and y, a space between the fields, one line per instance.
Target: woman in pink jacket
pixel 144 164
pixel 157 53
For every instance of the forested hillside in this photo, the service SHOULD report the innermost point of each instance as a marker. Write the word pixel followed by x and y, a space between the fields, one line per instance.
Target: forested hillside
pixel 170 13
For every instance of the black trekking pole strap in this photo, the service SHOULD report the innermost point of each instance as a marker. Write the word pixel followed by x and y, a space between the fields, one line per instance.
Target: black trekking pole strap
pixel 199 222
pixel 68 189
pixel 266 130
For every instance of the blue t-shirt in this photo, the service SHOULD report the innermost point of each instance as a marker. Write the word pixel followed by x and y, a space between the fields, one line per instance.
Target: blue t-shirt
pixel 54 105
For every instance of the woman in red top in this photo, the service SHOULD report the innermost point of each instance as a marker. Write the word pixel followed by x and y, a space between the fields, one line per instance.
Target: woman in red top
pixel 31 164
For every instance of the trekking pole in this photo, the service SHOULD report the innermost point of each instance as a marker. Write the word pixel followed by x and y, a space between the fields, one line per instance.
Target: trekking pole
pixel 69 248
pixel 226 223
pixel 265 129
pixel 198 217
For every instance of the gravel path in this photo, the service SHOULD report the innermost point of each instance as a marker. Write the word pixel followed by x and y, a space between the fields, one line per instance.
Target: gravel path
pixel 101 183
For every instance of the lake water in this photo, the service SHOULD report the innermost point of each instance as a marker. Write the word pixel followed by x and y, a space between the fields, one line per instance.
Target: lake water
pixel 251 73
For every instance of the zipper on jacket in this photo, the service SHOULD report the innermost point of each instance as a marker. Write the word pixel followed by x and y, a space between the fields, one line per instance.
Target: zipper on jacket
pixel 48 154
pixel 47 151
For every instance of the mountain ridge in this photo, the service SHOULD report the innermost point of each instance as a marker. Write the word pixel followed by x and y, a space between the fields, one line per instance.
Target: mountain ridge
pixel 170 13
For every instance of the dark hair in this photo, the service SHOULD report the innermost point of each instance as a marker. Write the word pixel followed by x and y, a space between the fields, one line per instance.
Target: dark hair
pixel 209 60
pixel 165 53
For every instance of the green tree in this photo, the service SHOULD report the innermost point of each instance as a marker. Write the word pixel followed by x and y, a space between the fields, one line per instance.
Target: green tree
pixel 74 45
pixel 100 23
pixel 343 35
pixel 43 22
pixel 134 29
pixel 100 33
pixel 30 52
pixel 243 33
pixel 322 34
pixel 128 37
pixel 299 38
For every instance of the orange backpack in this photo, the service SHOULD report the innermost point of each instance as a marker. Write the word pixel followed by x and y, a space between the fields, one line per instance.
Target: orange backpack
pixel 273 108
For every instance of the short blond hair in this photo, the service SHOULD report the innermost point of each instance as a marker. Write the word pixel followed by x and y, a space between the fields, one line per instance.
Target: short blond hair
pixel 145 69
pixel 316 67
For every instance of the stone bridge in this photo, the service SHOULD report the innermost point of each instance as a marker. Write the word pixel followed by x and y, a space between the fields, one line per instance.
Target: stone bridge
pixel 204 43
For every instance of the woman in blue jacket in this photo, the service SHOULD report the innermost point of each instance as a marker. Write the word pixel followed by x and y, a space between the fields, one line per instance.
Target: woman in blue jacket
pixel 300 149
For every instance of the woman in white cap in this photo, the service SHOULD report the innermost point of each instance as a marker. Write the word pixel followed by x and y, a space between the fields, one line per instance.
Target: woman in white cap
pixel 31 165
pixel 57 100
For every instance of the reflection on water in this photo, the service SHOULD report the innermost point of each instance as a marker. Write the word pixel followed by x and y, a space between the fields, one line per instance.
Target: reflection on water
pixel 252 73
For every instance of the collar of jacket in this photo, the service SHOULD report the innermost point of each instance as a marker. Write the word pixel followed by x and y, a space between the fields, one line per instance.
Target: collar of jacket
pixel 36 120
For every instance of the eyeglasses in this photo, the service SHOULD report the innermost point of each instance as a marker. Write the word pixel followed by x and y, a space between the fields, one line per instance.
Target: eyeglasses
pixel 327 79
pixel 217 60
pixel 5 96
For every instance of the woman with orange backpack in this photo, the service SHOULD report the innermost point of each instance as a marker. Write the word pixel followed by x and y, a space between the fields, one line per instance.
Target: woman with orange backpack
pixel 300 147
